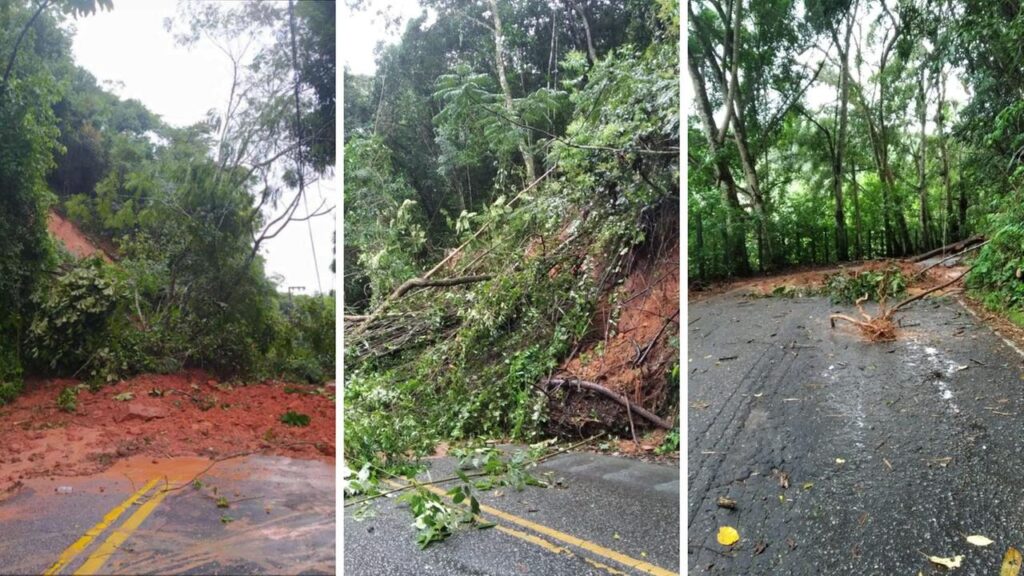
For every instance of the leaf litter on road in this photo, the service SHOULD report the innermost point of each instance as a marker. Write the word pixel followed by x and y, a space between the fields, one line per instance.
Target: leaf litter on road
pixel 950 563
pixel 727 535
pixel 1011 562
pixel 978 540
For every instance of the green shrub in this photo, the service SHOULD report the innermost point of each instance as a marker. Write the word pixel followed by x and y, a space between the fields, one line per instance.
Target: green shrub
pixel 75 321
pixel 846 287
pixel 292 418
pixel 998 272
pixel 67 400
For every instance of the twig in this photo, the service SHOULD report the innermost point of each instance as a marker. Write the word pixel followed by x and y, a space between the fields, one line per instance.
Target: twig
pixel 650 345
pixel 471 475
pixel 929 291
pixel 230 457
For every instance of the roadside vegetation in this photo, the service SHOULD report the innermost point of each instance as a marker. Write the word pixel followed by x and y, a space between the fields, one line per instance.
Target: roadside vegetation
pixel 830 132
pixel 180 213
pixel 511 200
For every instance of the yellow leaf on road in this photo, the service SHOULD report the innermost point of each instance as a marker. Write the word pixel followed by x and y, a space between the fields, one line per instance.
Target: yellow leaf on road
pixel 947 562
pixel 727 536
pixel 978 540
pixel 1011 562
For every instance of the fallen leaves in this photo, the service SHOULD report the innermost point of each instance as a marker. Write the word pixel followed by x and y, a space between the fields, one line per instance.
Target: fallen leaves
pixel 727 536
pixel 1011 562
pixel 724 502
pixel 950 563
pixel 978 540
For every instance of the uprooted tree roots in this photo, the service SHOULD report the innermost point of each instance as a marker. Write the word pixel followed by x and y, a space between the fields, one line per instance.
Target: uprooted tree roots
pixel 879 328
pixel 882 327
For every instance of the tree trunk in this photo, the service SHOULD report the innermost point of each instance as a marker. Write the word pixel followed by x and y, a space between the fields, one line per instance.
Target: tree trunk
pixel 842 240
pixel 734 234
pixel 702 271
pixel 924 217
pixel 857 249
pixel 591 53
pixel 499 63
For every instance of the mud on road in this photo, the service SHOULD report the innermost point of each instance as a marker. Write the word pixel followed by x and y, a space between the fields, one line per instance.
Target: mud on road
pixel 845 457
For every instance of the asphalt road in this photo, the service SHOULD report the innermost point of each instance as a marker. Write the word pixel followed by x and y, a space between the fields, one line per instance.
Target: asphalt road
pixel 891 451
pixel 277 516
pixel 605 515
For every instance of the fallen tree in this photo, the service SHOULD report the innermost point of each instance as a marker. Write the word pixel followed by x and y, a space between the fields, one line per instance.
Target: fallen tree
pixel 882 328
pixel 554 383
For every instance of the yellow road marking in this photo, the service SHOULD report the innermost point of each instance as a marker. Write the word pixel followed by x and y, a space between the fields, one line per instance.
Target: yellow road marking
pixel 83 542
pixel 94 562
pixel 645 567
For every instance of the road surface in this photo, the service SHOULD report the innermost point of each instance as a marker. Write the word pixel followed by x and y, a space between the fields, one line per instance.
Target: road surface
pixel 890 451
pixel 606 515
pixel 279 519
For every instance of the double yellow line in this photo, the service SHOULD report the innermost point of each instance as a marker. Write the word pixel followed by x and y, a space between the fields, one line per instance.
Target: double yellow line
pixel 591 547
pixel 95 561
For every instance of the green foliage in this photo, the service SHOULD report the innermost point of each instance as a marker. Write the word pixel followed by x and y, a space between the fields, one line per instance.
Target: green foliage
pixel 304 346
pixel 670 444
pixel 999 268
pixel 292 418
pixel 847 287
pixel 67 400
pixel 75 321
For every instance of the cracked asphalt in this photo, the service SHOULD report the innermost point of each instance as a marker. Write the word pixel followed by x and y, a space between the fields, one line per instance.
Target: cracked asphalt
pixel 890 451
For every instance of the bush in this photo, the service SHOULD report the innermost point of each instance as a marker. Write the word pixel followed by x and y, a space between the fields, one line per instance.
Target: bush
pixel 304 348
pixel 998 273
pixel 846 287
pixel 75 319
pixel 67 400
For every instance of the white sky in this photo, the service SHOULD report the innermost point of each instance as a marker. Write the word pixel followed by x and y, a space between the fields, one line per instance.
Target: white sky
pixel 361 31
pixel 129 45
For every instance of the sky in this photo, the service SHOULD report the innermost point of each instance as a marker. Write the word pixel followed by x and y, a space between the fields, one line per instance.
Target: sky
pixel 129 48
pixel 362 30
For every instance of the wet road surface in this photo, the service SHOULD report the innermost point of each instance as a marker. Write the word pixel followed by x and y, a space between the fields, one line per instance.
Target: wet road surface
pixel 890 451
pixel 250 515
pixel 607 515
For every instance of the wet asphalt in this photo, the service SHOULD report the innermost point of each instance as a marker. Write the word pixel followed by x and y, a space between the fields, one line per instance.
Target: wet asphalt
pixel 279 519
pixel 891 451
pixel 620 505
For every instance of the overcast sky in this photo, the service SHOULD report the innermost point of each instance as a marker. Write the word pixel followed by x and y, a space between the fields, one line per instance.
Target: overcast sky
pixel 362 30
pixel 129 46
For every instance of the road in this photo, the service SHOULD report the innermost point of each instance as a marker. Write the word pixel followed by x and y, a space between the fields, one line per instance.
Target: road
pixel 606 515
pixel 279 518
pixel 891 451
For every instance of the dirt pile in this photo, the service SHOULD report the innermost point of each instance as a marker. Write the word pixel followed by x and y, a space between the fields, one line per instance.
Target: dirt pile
pixel 161 416
pixel 631 357
pixel 813 279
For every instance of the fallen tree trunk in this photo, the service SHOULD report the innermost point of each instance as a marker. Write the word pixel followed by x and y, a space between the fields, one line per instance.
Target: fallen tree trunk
pixel 622 400
pixel 954 247
pixel 951 256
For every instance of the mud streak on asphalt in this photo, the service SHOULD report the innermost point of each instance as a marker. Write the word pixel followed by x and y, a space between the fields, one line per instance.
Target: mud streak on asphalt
pixel 928 430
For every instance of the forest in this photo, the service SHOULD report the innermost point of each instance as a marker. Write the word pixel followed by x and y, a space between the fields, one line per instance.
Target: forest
pixel 824 132
pixel 511 241
pixel 180 212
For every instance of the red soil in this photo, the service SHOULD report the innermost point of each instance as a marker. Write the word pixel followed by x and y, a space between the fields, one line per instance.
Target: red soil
pixel 814 278
pixel 71 237
pixel 41 440
pixel 649 312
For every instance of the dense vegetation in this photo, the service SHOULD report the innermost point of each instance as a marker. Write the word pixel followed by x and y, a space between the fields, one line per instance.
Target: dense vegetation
pixel 832 130
pixel 184 210
pixel 507 166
